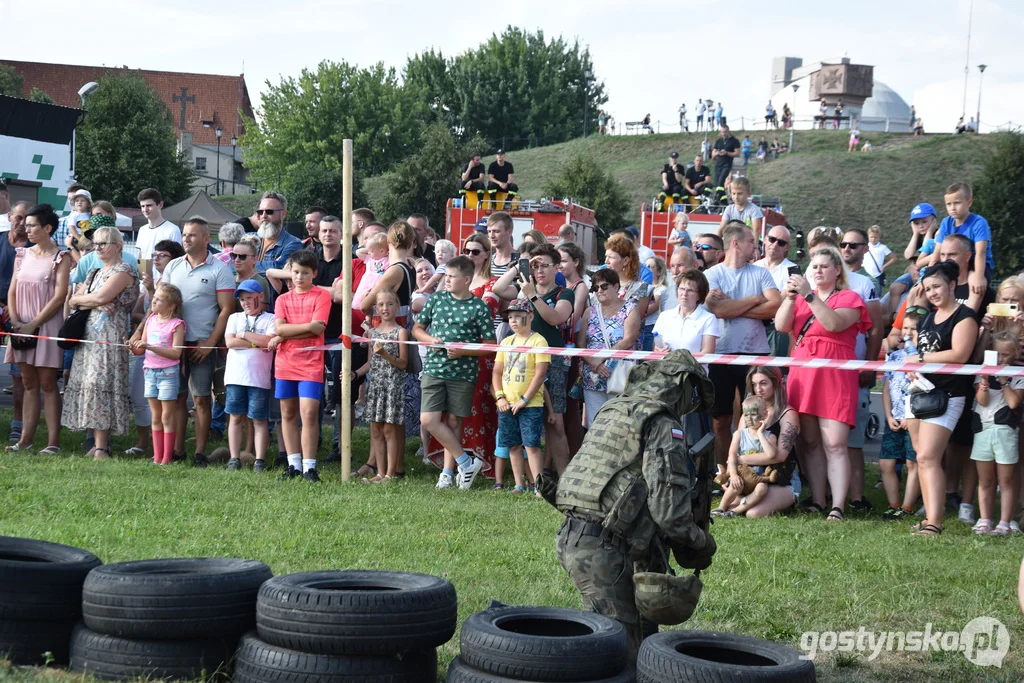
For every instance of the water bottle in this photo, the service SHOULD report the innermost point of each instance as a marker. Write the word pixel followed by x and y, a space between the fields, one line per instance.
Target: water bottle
pixel 657 341
pixel 909 347
pixel 98 321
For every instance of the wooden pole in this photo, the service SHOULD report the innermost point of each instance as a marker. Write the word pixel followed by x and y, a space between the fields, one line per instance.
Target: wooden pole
pixel 345 405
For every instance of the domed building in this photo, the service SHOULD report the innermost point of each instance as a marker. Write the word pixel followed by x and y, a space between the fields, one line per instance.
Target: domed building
pixel 873 104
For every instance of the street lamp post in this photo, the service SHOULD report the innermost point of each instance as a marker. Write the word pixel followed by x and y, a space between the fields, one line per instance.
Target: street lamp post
pixel 234 142
pixel 588 73
pixel 792 114
pixel 218 132
pixel 977 121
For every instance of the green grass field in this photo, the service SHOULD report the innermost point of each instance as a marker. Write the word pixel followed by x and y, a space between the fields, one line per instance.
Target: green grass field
pixel 773 578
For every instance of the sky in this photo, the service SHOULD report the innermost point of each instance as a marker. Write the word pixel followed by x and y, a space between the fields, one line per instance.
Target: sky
pixel 650 59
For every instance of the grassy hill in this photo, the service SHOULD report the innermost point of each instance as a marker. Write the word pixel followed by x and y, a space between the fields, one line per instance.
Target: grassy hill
pixel 819 183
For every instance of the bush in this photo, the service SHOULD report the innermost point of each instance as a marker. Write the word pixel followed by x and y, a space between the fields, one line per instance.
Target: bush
pixel 999 197
pixel 586 182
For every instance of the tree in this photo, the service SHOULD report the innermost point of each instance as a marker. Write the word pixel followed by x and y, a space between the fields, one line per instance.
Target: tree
pixel 999 197
pixel 38 95
pixel 305 120
pixel 10 82
pixel 429 178
pixel 127 142
pixel 587 183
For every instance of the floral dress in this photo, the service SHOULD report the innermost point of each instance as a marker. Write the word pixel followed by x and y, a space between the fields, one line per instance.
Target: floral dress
pixel 595 340
pixel 385 397
pixel 480 430
pixel 97 393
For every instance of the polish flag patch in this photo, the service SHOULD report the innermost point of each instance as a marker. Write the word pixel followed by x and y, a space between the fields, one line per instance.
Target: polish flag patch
pixel 677 434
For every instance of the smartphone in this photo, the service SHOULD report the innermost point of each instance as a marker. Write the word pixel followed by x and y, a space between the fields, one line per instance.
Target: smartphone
pixel 794 270
pixel 524 268
pixel 1002 310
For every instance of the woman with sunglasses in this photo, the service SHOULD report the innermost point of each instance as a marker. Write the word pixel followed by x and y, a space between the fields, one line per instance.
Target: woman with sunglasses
pixel 96 396
pixel 243 258
pixel 479 430
pixel 622 320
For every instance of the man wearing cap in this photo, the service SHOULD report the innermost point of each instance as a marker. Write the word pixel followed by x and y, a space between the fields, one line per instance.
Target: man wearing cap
pixel 501 176
pixel 672 178
pixel 924 224
pixel 472 179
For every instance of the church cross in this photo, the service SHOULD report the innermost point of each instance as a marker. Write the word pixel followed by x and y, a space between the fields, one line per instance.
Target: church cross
pixel 185 100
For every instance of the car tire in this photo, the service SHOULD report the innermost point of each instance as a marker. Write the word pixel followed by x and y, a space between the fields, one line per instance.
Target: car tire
pixel 42 581
pixel 356 612
pixel 257 661
pixel 460 672
pixel 174 599
pixel 716 657
pixel 114 659
pixel 544 644
pixel 35 643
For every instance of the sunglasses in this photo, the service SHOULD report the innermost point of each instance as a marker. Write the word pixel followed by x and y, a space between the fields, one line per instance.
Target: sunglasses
pixel 239 257
pixel 97 245
pixel 851 245
pixel 260 212
pixel 776 240
pixel 706 247
pixel 917 310
pixel 472 252
pixel 601 287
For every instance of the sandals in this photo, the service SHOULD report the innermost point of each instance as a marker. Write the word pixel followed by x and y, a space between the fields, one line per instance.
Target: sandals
pixel 719 512
pixel 982 527
pixel 812 509
pixel 379 479
pixel 1000 530
pixel 364 471
pixel 15 447
pixel 835 515
pixel 498 487
pixel 50 450
pixel 100 453
pixel 135 450
pixel 928 530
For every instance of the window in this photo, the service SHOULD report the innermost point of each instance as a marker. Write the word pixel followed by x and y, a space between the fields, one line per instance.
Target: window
pixel 200 163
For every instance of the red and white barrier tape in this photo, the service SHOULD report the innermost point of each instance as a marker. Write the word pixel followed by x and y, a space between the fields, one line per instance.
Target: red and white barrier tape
pixel 725 359
pixel 93 341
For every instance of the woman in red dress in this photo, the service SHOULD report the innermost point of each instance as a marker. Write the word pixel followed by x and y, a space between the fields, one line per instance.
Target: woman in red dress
pixel 826 318
pixel 479 431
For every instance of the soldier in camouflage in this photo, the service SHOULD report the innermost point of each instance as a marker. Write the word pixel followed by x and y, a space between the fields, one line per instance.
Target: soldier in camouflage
pixel 629 496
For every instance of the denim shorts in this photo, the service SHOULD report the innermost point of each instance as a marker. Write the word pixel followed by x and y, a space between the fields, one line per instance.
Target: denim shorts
pixel 14 370
pixel 523 429
pixel 292 388
pixel 253 402
pixel 162 383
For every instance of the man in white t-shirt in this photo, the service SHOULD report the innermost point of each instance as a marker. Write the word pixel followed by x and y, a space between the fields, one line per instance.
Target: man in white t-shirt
pixel 776 250
pixel 156 229
pixel 742 296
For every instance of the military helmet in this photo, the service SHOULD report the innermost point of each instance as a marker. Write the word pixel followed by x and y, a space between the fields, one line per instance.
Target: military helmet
pixel 664 599
pixel 677 380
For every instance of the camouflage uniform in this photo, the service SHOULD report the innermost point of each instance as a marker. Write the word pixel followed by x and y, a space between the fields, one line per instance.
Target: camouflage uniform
pixel 628 493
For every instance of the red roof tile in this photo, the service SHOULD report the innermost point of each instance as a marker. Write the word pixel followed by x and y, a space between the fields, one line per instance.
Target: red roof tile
pixel 210 98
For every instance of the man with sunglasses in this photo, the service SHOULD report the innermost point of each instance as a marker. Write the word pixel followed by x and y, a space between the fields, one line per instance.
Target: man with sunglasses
pixel 278 243
pixel 710 250
pixel 776 252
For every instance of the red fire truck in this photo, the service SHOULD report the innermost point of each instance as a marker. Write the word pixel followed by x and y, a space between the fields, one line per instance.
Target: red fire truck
pixel 656 226
pixel 547 216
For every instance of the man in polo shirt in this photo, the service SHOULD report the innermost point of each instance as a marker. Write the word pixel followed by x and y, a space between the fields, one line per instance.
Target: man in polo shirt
pixel 156 229
pixel 314 215
pixel 207 291
pixel 278 243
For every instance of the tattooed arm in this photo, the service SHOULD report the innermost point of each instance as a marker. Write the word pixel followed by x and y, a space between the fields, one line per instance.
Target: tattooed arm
pixel 789 429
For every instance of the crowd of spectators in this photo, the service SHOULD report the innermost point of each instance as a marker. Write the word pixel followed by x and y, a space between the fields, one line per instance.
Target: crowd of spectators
pixel 227 332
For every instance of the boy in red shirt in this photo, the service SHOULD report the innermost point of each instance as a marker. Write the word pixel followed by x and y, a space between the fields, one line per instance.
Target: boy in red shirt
pixel 301 319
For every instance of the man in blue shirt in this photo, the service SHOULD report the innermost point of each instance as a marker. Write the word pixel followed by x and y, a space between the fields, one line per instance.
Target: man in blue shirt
pixel 278 244
pixel 959 197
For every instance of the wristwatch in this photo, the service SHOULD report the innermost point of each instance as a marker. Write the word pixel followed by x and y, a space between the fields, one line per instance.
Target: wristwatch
pixel 809 297
pixel 534 297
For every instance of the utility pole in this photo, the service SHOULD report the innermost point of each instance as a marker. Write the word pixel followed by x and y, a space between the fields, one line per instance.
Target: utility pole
pixel 977 121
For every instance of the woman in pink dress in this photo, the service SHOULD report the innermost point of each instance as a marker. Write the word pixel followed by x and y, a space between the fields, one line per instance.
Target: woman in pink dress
pixel 479 431
pixel 826 321
pixel 35 300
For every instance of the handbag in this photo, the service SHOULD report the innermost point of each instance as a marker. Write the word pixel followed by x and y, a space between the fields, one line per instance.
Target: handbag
pixel 73 327
pixel 928 404
pixel 413 362
pixel 620 373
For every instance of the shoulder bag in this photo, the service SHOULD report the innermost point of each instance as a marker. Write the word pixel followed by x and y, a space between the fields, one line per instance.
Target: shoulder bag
pixel 928 404
pixel 620 373
pixel 73 327
pixel 413 362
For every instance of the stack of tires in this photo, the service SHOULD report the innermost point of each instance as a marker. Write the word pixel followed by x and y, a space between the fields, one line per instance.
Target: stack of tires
pixel 348 626
pixel 716 657
pixel 177 618
pixel 541 644
pixel 40 598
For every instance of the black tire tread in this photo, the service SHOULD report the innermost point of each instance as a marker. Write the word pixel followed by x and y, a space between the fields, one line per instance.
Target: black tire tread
pixel 416 612
pixel 47 584
pixel 486 647
pixel 259 662
pixel 112 658
pixel 659 661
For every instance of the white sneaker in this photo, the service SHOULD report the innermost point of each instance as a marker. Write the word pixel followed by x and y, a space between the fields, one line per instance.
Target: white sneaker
pixel 444 481
pixel 1015 528
pixel 966 513
pixel 466 476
